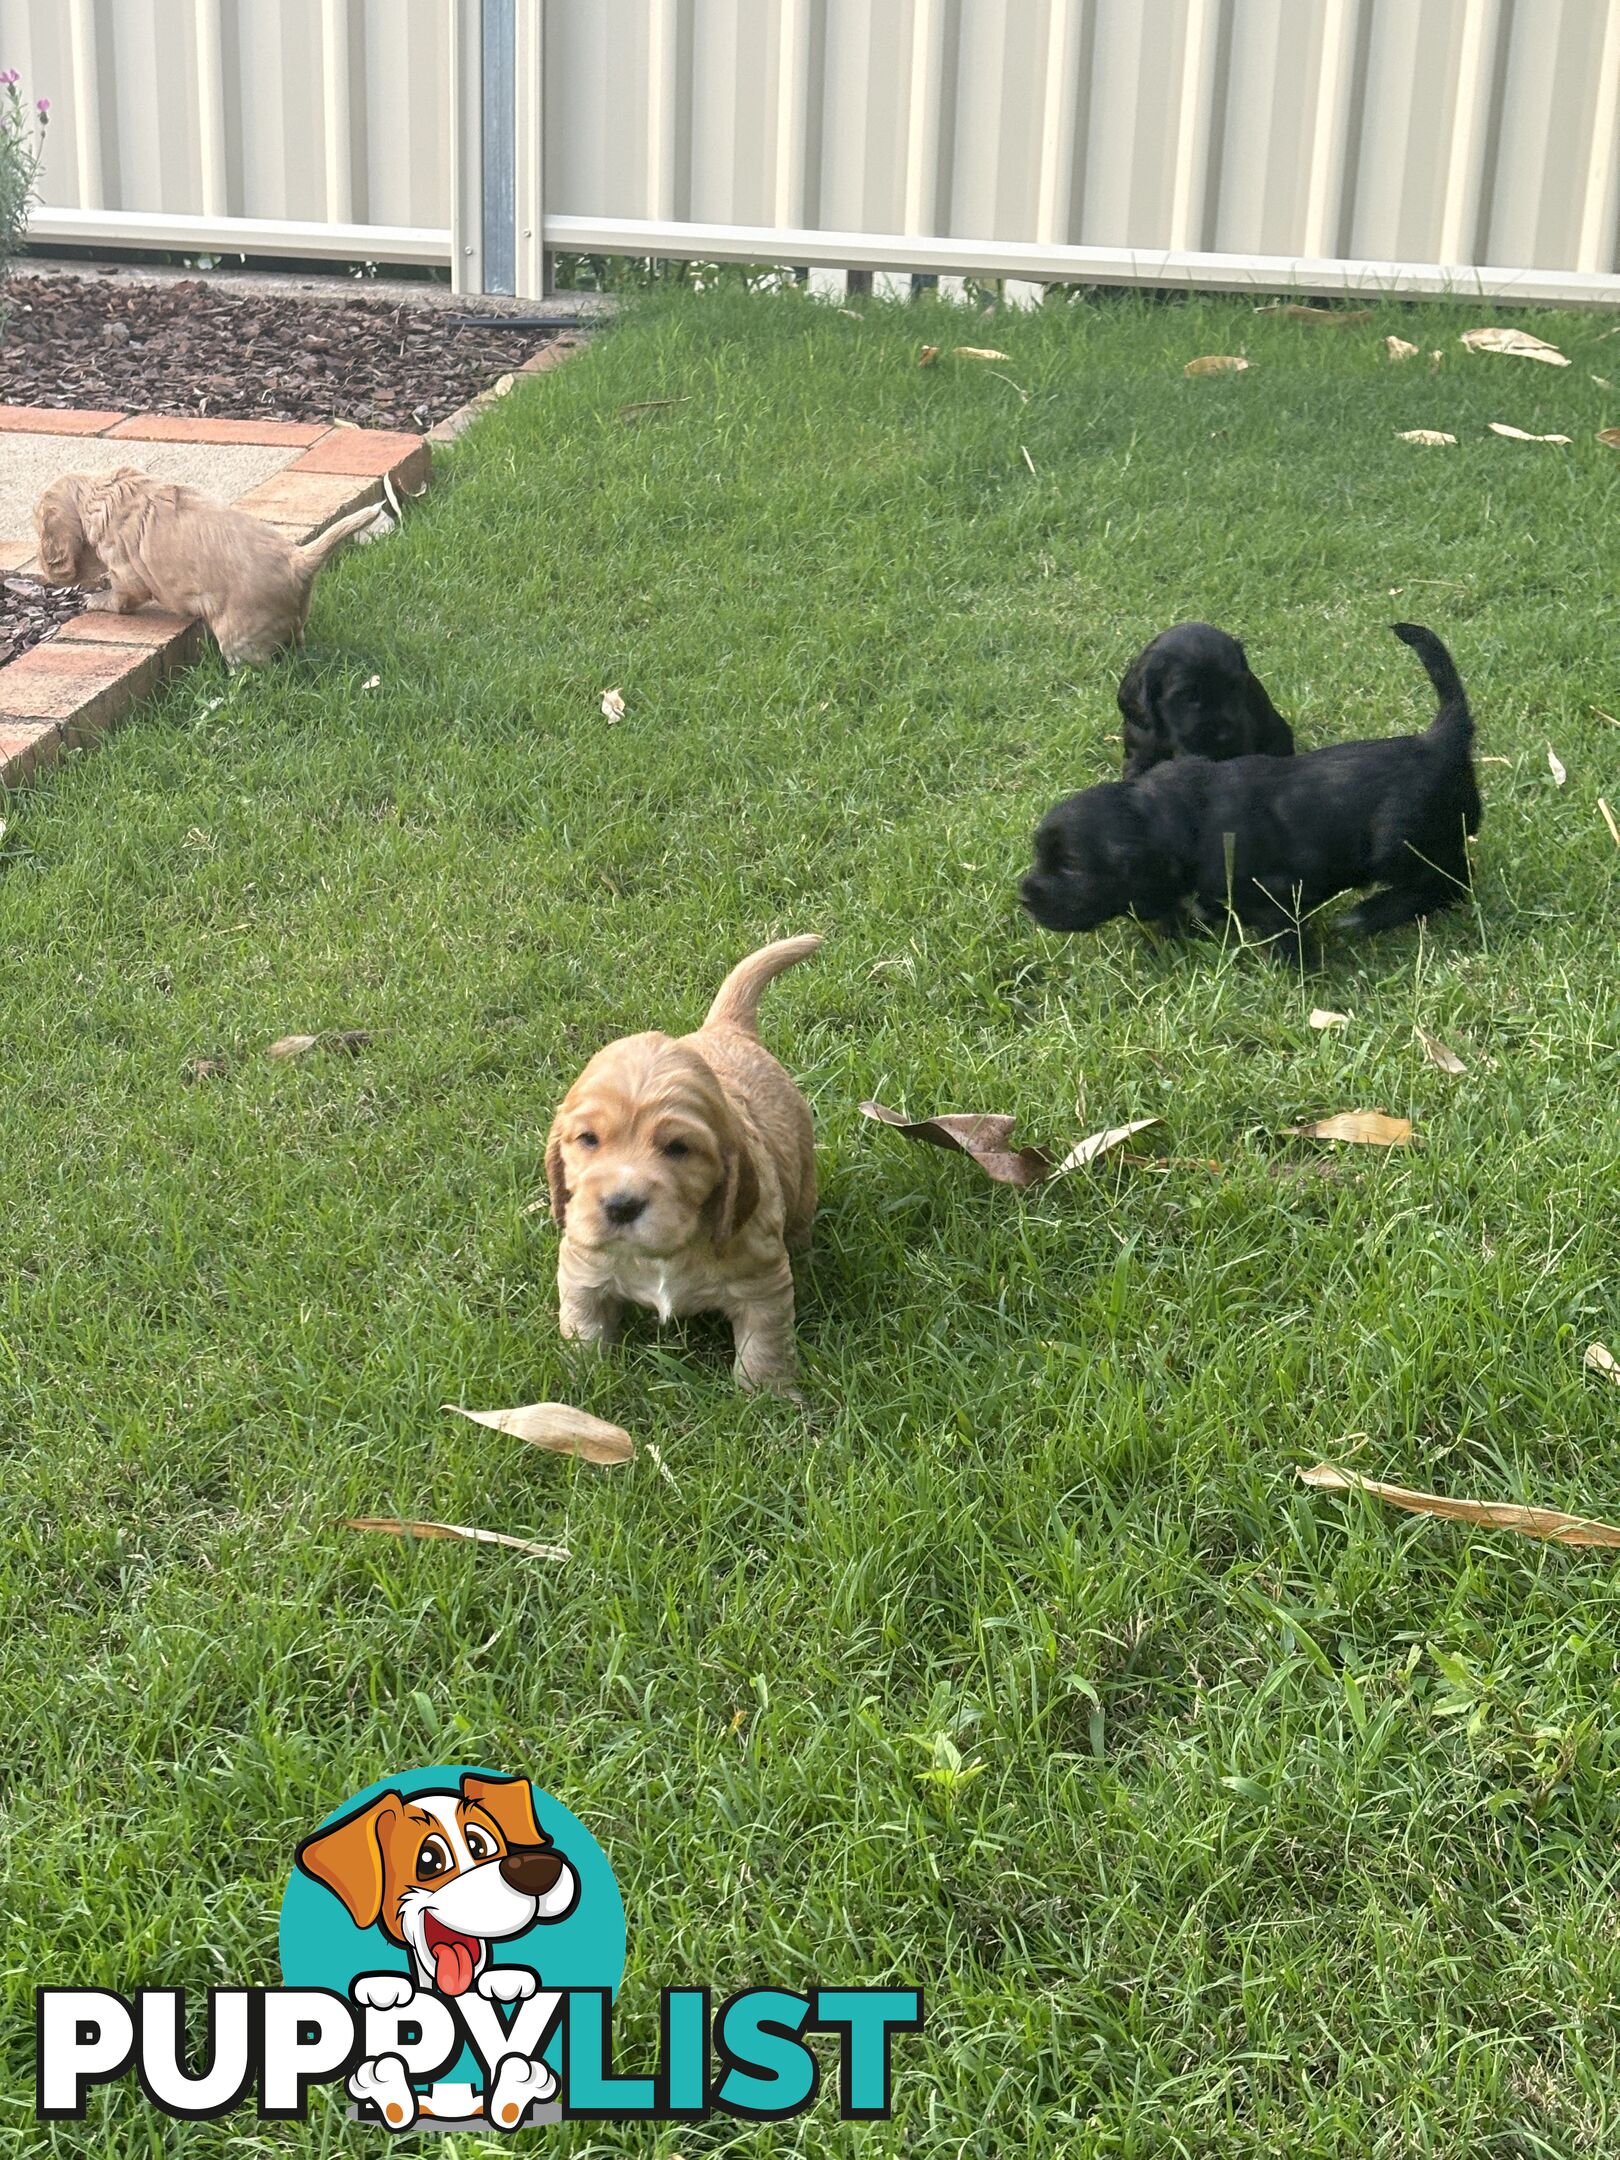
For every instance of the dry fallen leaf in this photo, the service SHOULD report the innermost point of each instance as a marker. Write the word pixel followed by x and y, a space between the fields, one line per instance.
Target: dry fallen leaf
pixel 1369 1128
pixel 1520 343
pixel 1517 434
pixel 628 413
pixel 201 1068
pixel 928 355
pixel 1603 382
pixel 1215 364
pixel 986 1138
pixel 1437 360
pixel 351 1040
pixel 1610 436
pixel 979 352
pixel 558 1427
pixel 1322 1018
pixel 1608 819
pixel 1399 349
pixel 1488 1514
pixel 612 706
pixel 396 1526
pixel 1437 1053
pixel 372 682
pixel 1103 1143
pixel 1423 435
pixel 1555 765
pixel 1600 1358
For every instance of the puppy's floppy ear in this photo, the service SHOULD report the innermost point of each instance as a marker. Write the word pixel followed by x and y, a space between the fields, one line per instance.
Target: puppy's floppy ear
pixel 556 1177
pixel 509 1803
pixel 737 1195
pixel 61 537
pixel 347 1857
pixel 1132 699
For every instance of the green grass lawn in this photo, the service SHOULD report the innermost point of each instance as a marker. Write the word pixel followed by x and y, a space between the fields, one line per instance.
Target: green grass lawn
pixel 1283 1824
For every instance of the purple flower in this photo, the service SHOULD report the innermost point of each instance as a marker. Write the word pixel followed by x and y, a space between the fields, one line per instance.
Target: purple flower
pixel 9 78
pixel 43 106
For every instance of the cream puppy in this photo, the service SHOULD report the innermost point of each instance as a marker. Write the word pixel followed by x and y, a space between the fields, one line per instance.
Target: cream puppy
pixel 682 1170
pixel 156 540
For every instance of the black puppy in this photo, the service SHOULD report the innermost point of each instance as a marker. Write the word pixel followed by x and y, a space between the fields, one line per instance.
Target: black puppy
pixel 1191 694
pixel 1272 838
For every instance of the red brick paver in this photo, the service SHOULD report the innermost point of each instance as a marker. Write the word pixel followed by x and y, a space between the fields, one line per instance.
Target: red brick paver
pixel 369 453
pixel 181 427
pixel 45 420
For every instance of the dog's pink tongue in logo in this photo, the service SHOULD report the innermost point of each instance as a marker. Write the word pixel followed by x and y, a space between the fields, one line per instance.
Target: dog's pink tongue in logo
pixel 455 1957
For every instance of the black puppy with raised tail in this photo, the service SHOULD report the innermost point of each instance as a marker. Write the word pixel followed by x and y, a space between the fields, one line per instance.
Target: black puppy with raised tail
pixel 1191 693
pixel 1270 839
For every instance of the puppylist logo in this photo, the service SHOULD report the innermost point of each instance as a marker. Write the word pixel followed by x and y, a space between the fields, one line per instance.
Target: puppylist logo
pixel 451 1944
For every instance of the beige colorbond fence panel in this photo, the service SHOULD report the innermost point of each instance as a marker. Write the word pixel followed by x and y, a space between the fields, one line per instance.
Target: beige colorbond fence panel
pixel 1410 142
pixel 311 116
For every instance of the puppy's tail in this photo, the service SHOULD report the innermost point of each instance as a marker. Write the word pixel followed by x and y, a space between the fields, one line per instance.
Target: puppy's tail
pixel 737 1005
pixel 317 553
pixel 1453 716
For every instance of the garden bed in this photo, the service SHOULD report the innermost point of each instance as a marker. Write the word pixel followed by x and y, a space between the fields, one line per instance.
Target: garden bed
pixel 191 346
pixel 30 611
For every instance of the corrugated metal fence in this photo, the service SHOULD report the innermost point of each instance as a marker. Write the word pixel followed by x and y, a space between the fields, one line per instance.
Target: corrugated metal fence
pixel 1329 144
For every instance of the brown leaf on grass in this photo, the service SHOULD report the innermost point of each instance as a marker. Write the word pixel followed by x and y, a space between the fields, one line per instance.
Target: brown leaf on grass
pixel 1437 361
pixel 1399 349
pixel 1103 1143
pixel 1323 317
pixel 612 707
pixel 1608 819
pixel 1600 1358
pixel 1517 434
pixel 928 355
pixel 978 352
pixel 1437 1053
pixel 1610 436
pixel 1215 364
pixel 1436 436
pixel 1519 343
pixel 640 411
pixel 201 1068
pixel 1322 1018
pixel 1367 1128
pixel 1487 1514
pixel 349 1040
pixel 986 1138
pixel 396 1526
pixel 1555 765
pixel 558 1427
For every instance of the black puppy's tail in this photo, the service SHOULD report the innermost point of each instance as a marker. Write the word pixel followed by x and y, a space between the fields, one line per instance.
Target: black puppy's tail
pixel 1453 716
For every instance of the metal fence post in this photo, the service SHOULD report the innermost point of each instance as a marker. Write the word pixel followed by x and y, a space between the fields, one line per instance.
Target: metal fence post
pixel 532 261
pixel 466 146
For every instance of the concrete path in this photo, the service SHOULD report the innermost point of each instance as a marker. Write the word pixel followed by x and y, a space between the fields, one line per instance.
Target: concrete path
pixel 29 463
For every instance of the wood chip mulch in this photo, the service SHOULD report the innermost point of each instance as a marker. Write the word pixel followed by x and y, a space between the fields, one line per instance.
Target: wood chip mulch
pixel 29 612
pixel 194 347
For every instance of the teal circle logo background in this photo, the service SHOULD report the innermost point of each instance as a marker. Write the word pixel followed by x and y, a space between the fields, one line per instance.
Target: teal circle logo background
pixel 322 1948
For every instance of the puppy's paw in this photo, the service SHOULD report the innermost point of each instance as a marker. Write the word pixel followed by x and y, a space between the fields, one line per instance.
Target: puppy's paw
pixel 507 1983
pixel 384 2084
pixel 518 2083
pixel 383 1990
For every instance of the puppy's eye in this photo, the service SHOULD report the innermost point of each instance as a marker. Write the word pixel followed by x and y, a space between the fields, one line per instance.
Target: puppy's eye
pixel 675 1149
pixel 586 1139
pixel 479 1843
pixel 433 1860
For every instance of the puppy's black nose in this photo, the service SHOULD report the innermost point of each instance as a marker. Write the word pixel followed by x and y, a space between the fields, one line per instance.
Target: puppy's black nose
pixel 624 1207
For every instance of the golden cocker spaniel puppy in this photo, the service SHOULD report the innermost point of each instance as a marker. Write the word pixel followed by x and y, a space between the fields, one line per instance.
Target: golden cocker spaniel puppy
pixel 156 540
pixel 682 1171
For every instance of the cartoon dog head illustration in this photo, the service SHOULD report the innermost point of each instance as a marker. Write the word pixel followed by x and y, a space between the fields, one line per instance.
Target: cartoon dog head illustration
pixel 445 1874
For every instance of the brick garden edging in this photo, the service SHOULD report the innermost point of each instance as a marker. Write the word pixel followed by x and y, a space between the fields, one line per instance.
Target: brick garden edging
pixel 75 687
